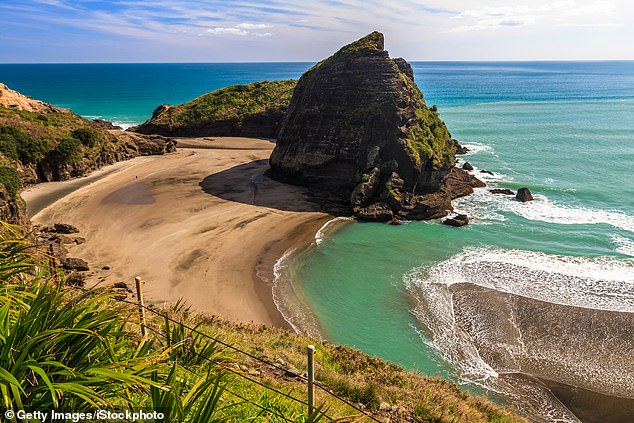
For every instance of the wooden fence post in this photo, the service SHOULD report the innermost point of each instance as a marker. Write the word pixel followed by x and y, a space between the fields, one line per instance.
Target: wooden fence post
pixel 139 296
pixel 311 378
pixel 51 262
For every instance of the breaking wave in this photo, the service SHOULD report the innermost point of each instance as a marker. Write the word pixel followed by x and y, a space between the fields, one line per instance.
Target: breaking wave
pixel 484 206
pixel 511 319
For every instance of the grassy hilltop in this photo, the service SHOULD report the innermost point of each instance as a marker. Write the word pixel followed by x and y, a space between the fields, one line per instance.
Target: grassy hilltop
pixel 250 110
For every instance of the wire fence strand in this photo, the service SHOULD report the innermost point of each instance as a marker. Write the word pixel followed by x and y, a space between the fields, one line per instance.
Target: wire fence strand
pixel 254 357
pixel 229 369
pixel 229 391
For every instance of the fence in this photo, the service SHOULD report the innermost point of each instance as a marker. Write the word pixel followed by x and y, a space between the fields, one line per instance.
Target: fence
pixel 309 379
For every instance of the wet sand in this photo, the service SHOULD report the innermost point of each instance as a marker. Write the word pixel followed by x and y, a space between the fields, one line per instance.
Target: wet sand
pixel 549 353
pixel 202 224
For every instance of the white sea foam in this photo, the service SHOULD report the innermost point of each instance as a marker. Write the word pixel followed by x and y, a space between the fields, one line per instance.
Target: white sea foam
pixel 288 301
pixel 548 211
pixel 477 147
pixel 603 283
pixel 320 236
pixel 484 206
pixel 623 245
pixel 278 268
pixel 124 125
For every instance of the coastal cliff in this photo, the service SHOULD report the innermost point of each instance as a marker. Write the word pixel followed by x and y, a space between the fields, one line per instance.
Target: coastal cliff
pixel 42 143
pixel 252 110
pixel 359 133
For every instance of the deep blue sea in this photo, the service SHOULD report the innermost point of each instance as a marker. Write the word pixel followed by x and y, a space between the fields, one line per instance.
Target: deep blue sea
pixel 527 294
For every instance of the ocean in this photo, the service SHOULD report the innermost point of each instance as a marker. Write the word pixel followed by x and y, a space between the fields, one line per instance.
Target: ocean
pixel 533 302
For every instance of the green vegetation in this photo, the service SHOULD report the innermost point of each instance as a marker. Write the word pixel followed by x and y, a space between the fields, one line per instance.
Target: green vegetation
pixel 72 350
pixel 233 103
pixel 370 43
pixel 428 138
pixel 68 151
pixel 17 145
pixel 30 141
pixel 88 136
pixel 11 179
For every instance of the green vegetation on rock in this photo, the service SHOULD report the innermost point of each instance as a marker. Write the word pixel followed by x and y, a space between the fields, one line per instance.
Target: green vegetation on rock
pixel 17 145
pixel 11 179
pixel 37 139
pixel 88 136
pixel 429 139
pixel 373 42
pixel 227 111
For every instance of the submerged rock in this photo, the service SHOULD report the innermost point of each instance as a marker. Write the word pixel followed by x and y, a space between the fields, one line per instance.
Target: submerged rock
pixel 458 220
pixel 501 191
pixel 358 132
pixel 524 195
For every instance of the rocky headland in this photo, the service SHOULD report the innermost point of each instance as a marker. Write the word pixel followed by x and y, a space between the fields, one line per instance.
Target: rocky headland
pixel 252 110
pixel 43 143
pixel 359 134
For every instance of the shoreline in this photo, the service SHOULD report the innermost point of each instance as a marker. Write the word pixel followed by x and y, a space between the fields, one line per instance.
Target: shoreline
pixel 200 224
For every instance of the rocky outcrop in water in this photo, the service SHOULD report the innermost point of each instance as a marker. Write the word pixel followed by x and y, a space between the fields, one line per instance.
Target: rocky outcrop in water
pixel 524 195
pixel 358 131
pixel 457 221
pixel 501 191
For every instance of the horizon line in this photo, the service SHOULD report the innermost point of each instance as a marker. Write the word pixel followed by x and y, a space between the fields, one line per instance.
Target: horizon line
pixel 308 62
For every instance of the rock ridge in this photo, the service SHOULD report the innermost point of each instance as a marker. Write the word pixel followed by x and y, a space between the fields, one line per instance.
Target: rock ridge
pixel 247 110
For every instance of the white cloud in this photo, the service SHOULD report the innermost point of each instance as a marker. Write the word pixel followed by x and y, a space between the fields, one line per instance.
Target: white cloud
pixel 241 30
pixel 559 13
pixel 232 31
pixel 253 26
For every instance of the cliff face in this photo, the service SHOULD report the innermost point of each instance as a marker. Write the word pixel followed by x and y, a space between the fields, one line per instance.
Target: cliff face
pixel 358 130
pixel 251 110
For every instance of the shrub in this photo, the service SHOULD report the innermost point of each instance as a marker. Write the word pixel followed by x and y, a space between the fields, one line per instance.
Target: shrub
pixel 11 179
pixel 10 137
pixel 8 146
pixel 68 151
pixel 17 145
pixel 88 136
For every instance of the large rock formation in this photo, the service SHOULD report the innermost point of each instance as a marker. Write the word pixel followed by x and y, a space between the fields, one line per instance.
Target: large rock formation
pixel 358 132
pixel 251 110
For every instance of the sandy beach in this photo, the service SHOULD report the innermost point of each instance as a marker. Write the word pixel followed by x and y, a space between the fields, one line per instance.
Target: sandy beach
pixel 202 224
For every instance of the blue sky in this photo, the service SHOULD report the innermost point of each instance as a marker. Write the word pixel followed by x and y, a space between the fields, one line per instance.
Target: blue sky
pixel 35 31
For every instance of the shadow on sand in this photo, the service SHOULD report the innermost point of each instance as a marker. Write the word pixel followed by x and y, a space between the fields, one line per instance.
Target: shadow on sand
pixel 247 184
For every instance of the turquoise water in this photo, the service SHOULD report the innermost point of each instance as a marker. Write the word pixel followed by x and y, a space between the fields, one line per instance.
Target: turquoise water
pixel 563 129
pixel 128 93
pixel 567 133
